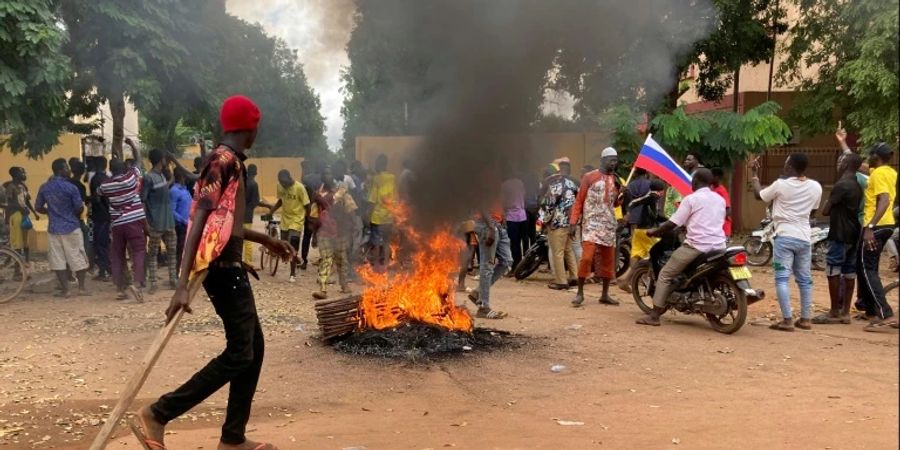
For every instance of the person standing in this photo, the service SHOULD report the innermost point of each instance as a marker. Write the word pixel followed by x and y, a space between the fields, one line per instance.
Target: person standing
pixel 60 200
pixel 673 198
pixel 180 199
pixel 129 226
pixel 794 200
pixel 844 231
pixel 214 246
pixel 594 209
pixel 253 201
pixel 160 220
pixel 311 178
pixel 560 191
pixel 293 197
pixel 18 206
pixel 640 201
pixel 719 188
pixel 494 260
pixel 878 226
pixel 335 207
pixel 382 188
pixel 513 192
pixel 702 213
pixel 100 221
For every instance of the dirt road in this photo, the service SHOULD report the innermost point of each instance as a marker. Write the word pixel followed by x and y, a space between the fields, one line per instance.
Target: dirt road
pixel 62 363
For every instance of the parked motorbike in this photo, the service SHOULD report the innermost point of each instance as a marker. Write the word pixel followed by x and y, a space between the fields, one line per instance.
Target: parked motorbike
pixel 539 253
pixel 716 285
pixel 759 244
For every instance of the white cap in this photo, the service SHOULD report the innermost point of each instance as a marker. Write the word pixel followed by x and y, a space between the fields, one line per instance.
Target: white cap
pixel 608 151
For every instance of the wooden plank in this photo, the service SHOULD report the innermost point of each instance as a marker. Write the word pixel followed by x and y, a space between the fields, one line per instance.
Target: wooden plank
pixel 143 371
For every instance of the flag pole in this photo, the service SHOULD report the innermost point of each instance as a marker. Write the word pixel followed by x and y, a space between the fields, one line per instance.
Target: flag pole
pixel 631 174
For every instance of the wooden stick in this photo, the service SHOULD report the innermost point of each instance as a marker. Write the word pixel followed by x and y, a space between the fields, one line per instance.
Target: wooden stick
pixel 143 371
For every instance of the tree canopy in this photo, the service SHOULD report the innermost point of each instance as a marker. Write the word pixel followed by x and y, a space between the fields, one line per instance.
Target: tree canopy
pixel 844 55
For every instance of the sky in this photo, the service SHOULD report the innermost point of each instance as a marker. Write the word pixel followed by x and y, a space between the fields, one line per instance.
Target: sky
pixel 319 31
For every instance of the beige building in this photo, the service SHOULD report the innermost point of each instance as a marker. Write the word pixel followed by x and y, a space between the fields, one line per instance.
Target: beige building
pixel 104 121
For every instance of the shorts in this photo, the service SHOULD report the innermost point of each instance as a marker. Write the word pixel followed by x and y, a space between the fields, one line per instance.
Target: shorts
pixel 292 237
pixel 641 244
pixel 67 249
pixel 841 259
pixel 597 258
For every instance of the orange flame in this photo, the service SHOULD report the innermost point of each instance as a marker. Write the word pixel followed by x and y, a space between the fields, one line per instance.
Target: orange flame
pixel 424 291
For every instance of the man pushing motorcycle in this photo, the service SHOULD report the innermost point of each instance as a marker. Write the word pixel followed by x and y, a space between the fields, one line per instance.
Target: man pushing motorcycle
pixel 702 213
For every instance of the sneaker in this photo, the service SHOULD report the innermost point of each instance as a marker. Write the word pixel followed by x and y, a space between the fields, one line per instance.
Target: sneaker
pixel 152 289
pixel 293 279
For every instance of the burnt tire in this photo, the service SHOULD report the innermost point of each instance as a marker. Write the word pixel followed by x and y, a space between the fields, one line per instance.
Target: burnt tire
pixel 529 264
pixel 642 286
pixel 734 319
pixel 759 253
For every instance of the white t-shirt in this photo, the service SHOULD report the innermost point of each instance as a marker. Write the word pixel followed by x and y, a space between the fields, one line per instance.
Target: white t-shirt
pixel 792 201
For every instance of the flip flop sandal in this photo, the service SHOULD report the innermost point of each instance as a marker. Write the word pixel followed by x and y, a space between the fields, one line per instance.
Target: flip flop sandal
pixel 647 321
pixel 136 293
pixel 827 319
pixel 608 301
pixel 781 326
pixel 578 300
pixel 146 443
pixel 862 316
pixel 878 327
pixel 492 314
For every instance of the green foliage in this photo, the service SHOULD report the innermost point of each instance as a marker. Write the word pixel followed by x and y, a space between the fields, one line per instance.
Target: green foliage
pixel 721 138
pixel 34 76
pixel 844 55
pixel 622 121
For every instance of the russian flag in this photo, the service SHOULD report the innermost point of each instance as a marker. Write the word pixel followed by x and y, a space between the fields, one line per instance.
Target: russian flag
pixel 656 161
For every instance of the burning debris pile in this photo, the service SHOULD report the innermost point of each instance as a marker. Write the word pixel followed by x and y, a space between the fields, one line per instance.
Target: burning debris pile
pixel 408 310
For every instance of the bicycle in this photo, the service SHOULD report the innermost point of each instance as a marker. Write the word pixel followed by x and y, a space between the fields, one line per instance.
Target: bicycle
pixel 13 274
pixel 266 257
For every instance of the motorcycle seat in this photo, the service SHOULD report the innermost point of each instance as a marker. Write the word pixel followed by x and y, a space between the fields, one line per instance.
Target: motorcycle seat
pixel 708 256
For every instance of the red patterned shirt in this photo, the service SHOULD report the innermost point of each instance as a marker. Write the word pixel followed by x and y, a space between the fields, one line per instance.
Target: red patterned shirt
pixel 216 190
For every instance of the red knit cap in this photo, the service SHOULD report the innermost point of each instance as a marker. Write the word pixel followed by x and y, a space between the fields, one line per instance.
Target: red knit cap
pixel 239 113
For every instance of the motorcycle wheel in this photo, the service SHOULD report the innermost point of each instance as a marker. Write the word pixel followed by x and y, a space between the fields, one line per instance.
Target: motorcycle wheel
pixel 623 259
pixel 819 255
pixel 759 253
pixel 642 285
pixel 734 319
pixel 528 265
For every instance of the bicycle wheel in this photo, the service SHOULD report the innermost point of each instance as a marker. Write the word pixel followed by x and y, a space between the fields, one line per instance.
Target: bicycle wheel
pixel 13 275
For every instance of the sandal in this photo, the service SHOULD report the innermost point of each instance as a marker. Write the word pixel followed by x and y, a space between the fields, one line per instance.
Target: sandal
pixel 492 314
pixel 803 324
pixel 578 300
pixel 648 320
pixel 882 325
pixel 827 319
pixel 608 300
pixel 781 326
pixel 146 443
pixel 863 316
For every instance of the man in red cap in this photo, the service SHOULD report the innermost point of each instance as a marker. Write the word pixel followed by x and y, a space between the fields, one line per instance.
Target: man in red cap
pixel 214 246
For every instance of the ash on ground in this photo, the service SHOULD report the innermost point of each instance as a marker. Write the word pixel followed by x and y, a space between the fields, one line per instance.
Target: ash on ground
pixel 425 342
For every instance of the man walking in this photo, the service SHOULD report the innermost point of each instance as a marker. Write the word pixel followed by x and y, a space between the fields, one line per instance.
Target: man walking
pixel 878 226
pixel 702 212
pixel 100 220
pixel 160 220
pixel 293 197
pixel 844 230
pixel 495 259
pixel 60 200
pixel 794 200
pixel 557 202
pixel 214 244
pixel 128 225
pixel 596 202
pixel 513 191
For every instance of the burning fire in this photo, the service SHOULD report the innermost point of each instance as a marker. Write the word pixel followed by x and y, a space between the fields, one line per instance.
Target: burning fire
pixel 424 291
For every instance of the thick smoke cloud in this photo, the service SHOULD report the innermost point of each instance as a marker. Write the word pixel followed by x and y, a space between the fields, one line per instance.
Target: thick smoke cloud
pixel 486 66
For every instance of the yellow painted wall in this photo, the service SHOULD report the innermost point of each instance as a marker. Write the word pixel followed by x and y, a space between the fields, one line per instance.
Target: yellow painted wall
pixel 267 172
pixel 38 171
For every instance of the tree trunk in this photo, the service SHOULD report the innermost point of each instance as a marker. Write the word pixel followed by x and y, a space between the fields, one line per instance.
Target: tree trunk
pixel 737 88
pixel 117 110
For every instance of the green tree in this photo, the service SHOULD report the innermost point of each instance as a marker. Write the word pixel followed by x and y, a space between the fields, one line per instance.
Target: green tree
pixel 844 56
pixel 721 138
pixel 35 77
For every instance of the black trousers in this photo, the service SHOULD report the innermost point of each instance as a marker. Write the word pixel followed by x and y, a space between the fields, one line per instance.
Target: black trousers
pixel 518 240
pixel 101 246
pixel 240 363
pixel 307 239
pixel 871 290
pixel 180 235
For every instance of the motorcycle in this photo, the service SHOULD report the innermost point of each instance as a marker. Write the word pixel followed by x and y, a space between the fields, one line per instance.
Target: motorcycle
pixel 759 244
pixel 539 253
pixel 715 285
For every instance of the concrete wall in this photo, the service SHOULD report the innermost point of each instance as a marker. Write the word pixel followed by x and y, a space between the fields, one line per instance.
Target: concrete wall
pixel 267 172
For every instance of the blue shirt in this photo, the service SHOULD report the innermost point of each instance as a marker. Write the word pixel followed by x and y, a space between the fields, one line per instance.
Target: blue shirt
pixel 63 202
pixel 181 203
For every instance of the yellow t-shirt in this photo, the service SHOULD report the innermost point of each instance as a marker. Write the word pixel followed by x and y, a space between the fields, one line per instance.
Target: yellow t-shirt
pixel 293 202
pixel 882 180
pixel 381 195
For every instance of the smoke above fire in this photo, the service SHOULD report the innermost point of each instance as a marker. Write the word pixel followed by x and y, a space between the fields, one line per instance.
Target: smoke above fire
pixel 486 64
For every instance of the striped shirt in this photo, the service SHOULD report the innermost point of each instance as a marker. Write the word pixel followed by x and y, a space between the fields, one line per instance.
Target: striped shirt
pixel 124 193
